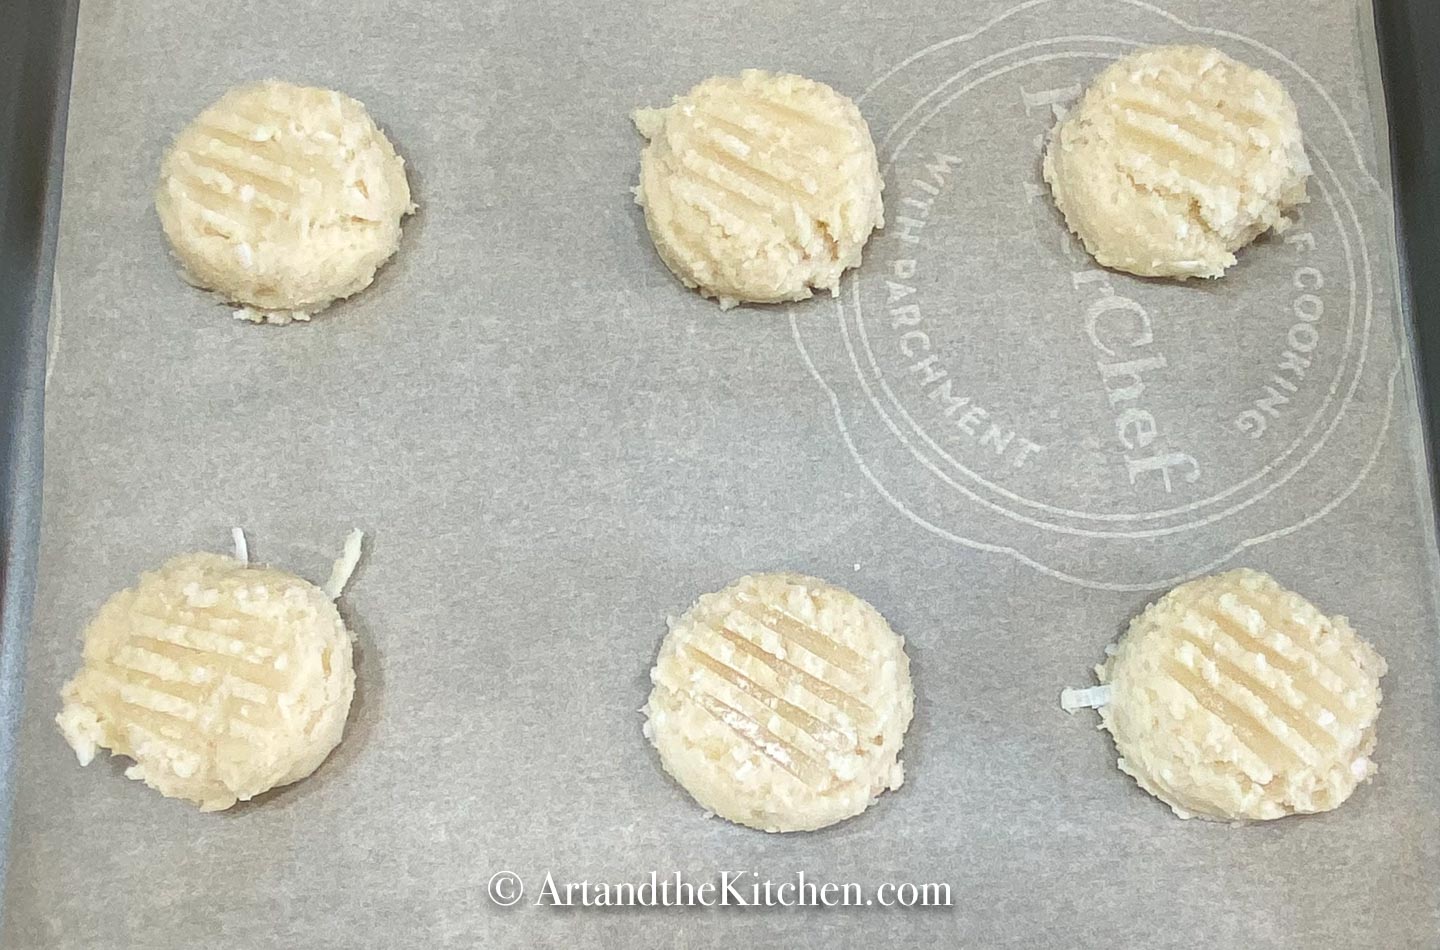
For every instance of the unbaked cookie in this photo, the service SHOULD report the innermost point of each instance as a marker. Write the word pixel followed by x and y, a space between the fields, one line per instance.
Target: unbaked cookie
pixel 221 680
pixel 781 703
pixel 760 187
pixel 282 199
pixel 1177 157
pixel 1232 698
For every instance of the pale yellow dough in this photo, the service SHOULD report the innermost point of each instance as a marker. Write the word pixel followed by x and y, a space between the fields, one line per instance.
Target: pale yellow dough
pixel 760 187
pixel 220 680
pixel 1232 698
pixel 781 703
pixel 282 199
pixel 1177 157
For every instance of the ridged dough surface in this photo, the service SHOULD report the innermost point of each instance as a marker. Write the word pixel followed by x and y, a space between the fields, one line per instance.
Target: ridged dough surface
pixel 1177 157
pixel 781 703
pixel 282 199
pixel 1233 698
pixel 760 187
pixel 220 680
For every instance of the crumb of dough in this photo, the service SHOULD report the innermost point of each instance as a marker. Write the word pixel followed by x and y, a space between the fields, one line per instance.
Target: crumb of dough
pixel 219 679
pixel 1176 158
pixel 759 188
pixel 282 199
pixel 781 703
pixel 1234 699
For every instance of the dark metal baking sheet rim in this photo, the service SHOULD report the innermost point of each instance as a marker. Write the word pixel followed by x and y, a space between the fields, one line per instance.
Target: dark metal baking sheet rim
pixel 1410 71
pixel 37 46
pixel 36 57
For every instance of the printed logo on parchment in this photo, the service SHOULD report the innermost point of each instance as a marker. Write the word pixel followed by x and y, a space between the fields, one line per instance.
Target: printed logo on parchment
pixel 1002 390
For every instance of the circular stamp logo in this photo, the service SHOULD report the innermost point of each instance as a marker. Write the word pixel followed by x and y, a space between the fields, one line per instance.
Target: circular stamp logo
pixel 1005 392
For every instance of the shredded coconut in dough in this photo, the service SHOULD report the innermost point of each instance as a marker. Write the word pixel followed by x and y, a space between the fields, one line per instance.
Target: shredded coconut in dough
pixel 1177 157
pixel 781 703
pixel 221 680
pixel 760 187
pixel 1232 698
pixel 282 199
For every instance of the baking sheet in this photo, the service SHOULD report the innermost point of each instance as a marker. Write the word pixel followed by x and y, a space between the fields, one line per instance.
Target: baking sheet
pixel 552 446
pixel 36 52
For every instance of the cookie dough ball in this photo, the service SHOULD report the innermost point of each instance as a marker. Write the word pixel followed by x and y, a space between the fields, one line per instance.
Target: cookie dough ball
pixel 220 680
pixel 759 187
pixel 1233 698
pixel 1177 157
pixel 282 199
pixel 781 703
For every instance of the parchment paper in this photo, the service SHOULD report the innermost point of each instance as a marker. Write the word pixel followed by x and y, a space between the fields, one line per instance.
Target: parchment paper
pixel 552 445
